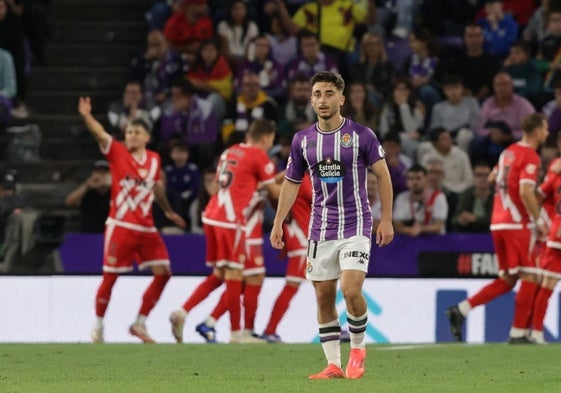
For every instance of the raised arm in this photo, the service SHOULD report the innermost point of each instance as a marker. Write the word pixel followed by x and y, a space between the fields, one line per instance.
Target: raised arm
pixel 94 127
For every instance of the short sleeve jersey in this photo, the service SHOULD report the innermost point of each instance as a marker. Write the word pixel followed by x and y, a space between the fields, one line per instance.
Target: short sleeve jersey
pixel 518 164
pixel 551 190
pixel 337 162
pixel 132 185
pixel 240 168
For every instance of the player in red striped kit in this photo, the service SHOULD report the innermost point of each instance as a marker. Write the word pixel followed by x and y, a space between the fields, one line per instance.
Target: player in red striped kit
pixel 130 233
pixel 241 168
pixel 514 223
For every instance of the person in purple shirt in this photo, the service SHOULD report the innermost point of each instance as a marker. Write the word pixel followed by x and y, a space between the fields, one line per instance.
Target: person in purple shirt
pixel 311 59
pixel 191 119
pixel 337 153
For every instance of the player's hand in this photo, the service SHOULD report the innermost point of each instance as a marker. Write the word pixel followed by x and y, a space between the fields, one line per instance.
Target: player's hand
pixel 384 233
pixel 176 219
pixel 276 237
pixel 84 106
pixel 542 230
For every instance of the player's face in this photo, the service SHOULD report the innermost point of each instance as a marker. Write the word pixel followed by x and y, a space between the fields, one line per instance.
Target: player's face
pixel 326 100
pixel 136 137
pixel 542 132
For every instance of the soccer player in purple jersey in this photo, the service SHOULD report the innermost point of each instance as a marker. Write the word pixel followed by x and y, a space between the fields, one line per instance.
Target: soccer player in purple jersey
pixel 337 154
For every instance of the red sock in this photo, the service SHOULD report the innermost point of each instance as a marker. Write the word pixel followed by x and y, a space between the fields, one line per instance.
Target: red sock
pixel 203 290
pixel 280 307
pixel 153 293
pixel 250 301
pixel 221 307
pixel 104 293
pixel 233 295
pixel 489 292
pixel 523 304
pixel 540 308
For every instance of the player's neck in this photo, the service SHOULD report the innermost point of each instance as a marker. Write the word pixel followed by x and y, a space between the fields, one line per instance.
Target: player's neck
pixel 138 152
pixel 532 142
pixel 331 124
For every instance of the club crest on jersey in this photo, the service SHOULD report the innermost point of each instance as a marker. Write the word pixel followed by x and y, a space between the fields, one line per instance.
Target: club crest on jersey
pixel 309 267
pixel 330 170
pixel 346 140
pixel 142 172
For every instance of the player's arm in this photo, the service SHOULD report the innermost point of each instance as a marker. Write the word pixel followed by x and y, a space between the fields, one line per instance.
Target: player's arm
pixel 385 233
pixel 532 205
pixel 94 127
pixel 287 196
pixel 162 200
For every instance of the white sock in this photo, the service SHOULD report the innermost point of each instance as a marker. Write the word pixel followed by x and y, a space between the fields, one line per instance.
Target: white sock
pixel 331 347
pixel 464 307
pixel 141 319
pixel 210 321
pixel 358 339
pixel 99 323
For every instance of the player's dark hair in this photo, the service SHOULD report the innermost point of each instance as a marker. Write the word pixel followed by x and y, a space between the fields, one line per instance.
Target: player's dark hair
pixel 435 133
pixel 531 122
pixel 329 77
pixel 417 168
pixel 141 123
pixel 261 127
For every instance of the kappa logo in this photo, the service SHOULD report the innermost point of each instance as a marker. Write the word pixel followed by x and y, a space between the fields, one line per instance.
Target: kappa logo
pixel 373 309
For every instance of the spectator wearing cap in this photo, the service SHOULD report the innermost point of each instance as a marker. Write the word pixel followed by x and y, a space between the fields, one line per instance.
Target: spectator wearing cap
pixel 192 120
pixel 188 27
pixel 500 30
pixel 490 148
pixel 157 67
pixel 92 197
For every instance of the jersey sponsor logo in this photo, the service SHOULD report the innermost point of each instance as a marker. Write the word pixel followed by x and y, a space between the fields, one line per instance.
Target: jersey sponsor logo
pixel 531 169
pixel 346 140
pixel 269 168
pixel 330 170
pixel 356 254
pixel 381 152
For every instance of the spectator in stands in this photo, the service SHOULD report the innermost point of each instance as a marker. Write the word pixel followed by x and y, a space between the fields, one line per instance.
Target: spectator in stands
pixel 271 74
pixel 489 148
pixel 188 27
pixel 458 113
pixel 373 68
pixel 157 67
pixel 212 76
pixel 552 110
pixel 457 167
pixel 500 30
pixel 210 186
pixel 38 25
pixel 183 181
pixel 160 12
pixel 297 112
pixel 550 48
pixel 237 31
pixel 476 203
pixel 398 163
pixel 311 58
pixel 420 210
pixel 8 88
pixel 403 115
pixel 332 21
pixel 504 105
pixel 536 29
pixel 420 68
pixel 476 67
pixel 12 39
pixel 358 107
pixel 284 46
pixel 252 103
pixel 192 120
pixel 131 107
pixel 525 75
pixel 92 197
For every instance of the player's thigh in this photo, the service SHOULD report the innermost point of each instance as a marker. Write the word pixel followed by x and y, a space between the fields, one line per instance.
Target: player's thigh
pixel 151 251
pixel 225 247
pixel 512 248
pixel 354 253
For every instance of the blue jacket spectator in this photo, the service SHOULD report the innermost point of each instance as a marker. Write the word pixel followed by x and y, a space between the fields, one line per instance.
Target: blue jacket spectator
pixel 500 30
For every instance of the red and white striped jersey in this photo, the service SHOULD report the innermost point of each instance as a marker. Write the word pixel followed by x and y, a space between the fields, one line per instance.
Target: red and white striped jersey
pixel 132 186
pixel 296 225
pixel 551 191
pixel 240 169
pixel 518 164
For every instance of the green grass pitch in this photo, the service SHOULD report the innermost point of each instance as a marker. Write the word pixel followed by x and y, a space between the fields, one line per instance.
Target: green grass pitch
pixel 275 368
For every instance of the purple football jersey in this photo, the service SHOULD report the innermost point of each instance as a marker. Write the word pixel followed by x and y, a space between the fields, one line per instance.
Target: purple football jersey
pixel 337 162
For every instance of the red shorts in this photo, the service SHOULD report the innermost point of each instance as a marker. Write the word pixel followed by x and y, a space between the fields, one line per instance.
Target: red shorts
pixel 224 247
pixel 254 262
pixel 296 268
pixel 551 262
pixel 513 250
pixel 123 246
